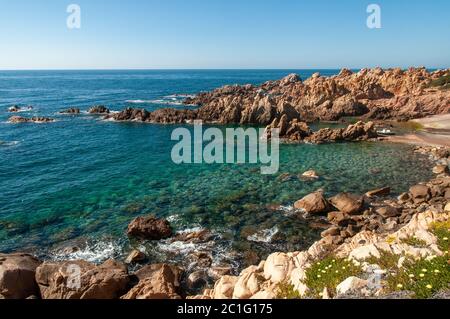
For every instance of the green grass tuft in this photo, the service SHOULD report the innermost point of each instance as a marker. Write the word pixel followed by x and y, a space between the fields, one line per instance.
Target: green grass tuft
pixel 415 242
pixel 329 273
pixel 387 261
pixel 442 232
pixel 423 277
pixel 287 291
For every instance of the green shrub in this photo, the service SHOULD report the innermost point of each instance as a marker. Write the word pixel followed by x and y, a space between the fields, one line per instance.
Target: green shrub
pixel 423 277
pixel 415 242
pixel 443 81
pixel 387 261
pixel 442 232
pixel 329 273
pixel 287 291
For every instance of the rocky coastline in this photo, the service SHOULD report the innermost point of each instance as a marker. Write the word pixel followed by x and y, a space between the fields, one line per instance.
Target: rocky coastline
pixel 372 94
pixel 365 235
pixel 374 245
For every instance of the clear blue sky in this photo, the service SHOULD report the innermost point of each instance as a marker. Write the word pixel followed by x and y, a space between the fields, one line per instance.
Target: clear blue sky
pixel 223 34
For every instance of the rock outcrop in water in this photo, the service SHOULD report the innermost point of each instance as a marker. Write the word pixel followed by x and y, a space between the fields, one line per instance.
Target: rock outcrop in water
pixel 372 93
pixel 35 119
pixel 72 111
pixel 295 131
pixel 150 228
pixel 99 110
pixel 163 116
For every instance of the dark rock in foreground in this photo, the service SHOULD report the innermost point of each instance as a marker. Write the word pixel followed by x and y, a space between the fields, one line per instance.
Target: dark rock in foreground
pixel 159 281
pixel 17 272
pixel 82 280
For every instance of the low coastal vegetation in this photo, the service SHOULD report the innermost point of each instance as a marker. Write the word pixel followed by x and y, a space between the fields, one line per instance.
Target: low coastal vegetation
pixel 443 82
pixel 328 274
pixel 423 277
pixel 286 290
pixel 442 232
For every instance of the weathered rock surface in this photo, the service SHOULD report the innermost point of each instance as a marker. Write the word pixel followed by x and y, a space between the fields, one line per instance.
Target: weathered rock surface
pixel 17 276
pixel 35 119
pixel 82 280
pixel 135 256
pixel 314 203
pixel 159 281
pixel 347 203
pixel 374 93
pixel 385 191
pixel 358 132
pixel 150 228
pixel 99 109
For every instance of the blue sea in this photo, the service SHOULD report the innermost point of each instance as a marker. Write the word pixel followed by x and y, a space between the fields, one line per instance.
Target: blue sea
pixel 81 180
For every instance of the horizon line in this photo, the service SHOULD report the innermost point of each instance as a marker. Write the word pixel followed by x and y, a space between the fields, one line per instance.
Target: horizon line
pixel 221 69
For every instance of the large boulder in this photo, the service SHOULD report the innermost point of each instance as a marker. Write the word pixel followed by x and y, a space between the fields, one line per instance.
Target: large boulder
pixel 388 211
pixel 314 203
pixel 420 193
pixel 347 203
pixel 159 281
pixel 150 228
pixel 17 276
pixel 224 288
pixel 82 280
pixel 278 267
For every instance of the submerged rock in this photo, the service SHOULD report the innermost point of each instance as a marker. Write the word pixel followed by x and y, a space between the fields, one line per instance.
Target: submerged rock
pixel 310 175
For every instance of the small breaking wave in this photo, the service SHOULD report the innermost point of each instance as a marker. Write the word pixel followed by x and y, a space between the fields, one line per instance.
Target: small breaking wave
pixel 264 236
pixel 6 143
pixel 139 101
pixel 93 252
pixel 174 99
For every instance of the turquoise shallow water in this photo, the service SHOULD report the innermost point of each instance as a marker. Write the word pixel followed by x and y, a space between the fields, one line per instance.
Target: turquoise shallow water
pixel 82 180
